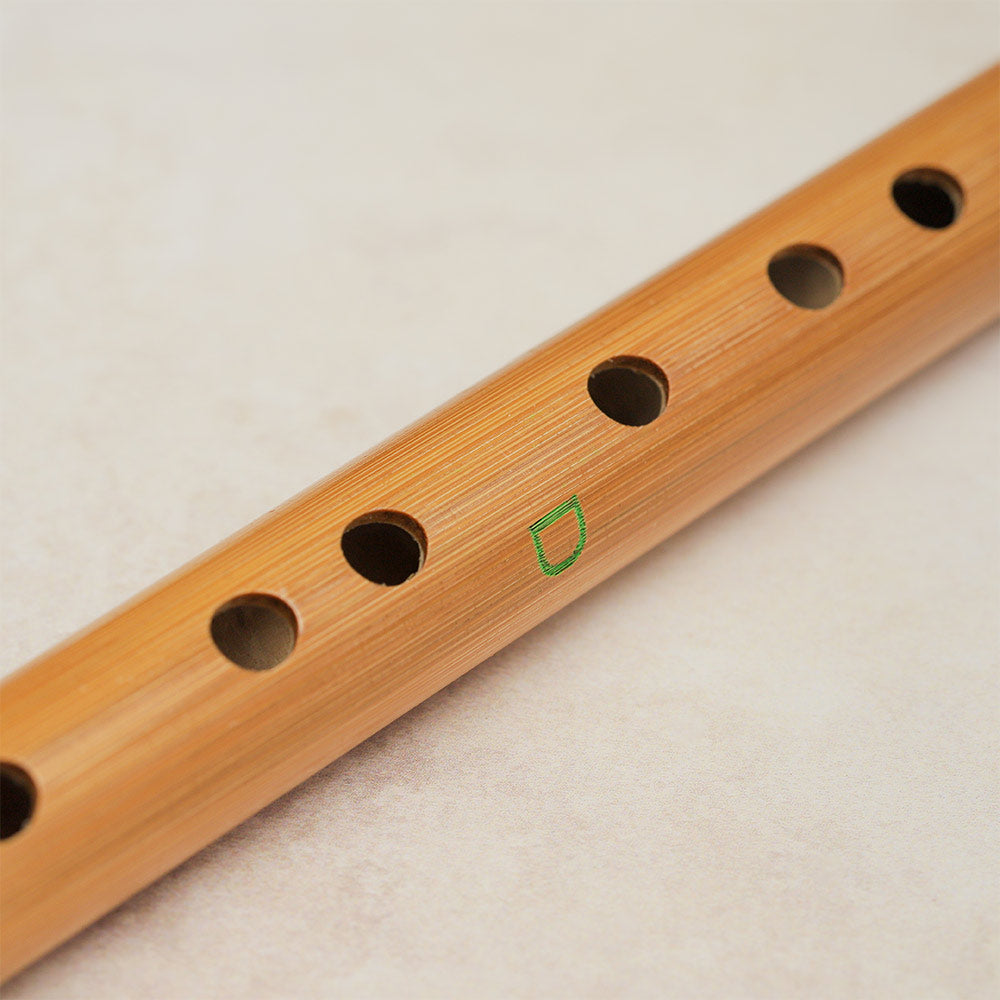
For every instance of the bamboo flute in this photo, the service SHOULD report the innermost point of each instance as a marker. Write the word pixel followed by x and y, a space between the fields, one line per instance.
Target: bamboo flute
pixel 142 739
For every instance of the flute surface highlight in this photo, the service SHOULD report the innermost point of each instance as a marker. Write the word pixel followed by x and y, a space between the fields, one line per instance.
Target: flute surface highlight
pixel 102 725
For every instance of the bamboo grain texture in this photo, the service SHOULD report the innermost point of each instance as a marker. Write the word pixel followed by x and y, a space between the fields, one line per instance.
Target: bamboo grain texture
pixel 142 742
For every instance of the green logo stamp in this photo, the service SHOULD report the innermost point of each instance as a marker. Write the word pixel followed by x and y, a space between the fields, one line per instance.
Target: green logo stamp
pixel 572 504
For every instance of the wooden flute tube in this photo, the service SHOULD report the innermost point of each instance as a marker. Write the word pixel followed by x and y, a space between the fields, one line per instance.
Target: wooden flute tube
pixel 165 724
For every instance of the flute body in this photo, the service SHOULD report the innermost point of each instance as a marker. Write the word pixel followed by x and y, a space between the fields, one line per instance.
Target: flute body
pixel 137 742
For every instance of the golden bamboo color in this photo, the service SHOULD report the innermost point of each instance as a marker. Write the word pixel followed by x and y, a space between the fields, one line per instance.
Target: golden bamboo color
pixel 179 715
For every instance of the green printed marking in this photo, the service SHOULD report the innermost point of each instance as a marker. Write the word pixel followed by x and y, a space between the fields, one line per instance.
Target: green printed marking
pixel 572 504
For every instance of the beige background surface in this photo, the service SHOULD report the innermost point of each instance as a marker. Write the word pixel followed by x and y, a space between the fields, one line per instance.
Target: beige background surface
pixel 244 242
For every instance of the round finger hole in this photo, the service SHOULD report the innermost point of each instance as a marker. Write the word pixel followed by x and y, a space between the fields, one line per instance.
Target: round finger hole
pixel 17 799
pixel 630 390
pixel 808 276
pixel 931 198
pixel 255 631
pixel 384 546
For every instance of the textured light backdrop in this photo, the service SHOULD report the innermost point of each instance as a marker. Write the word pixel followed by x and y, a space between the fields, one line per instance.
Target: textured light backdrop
pixel 244 242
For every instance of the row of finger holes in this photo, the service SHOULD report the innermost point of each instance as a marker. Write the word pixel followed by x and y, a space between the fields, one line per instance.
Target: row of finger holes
pixel 259 631
pixel 811 277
